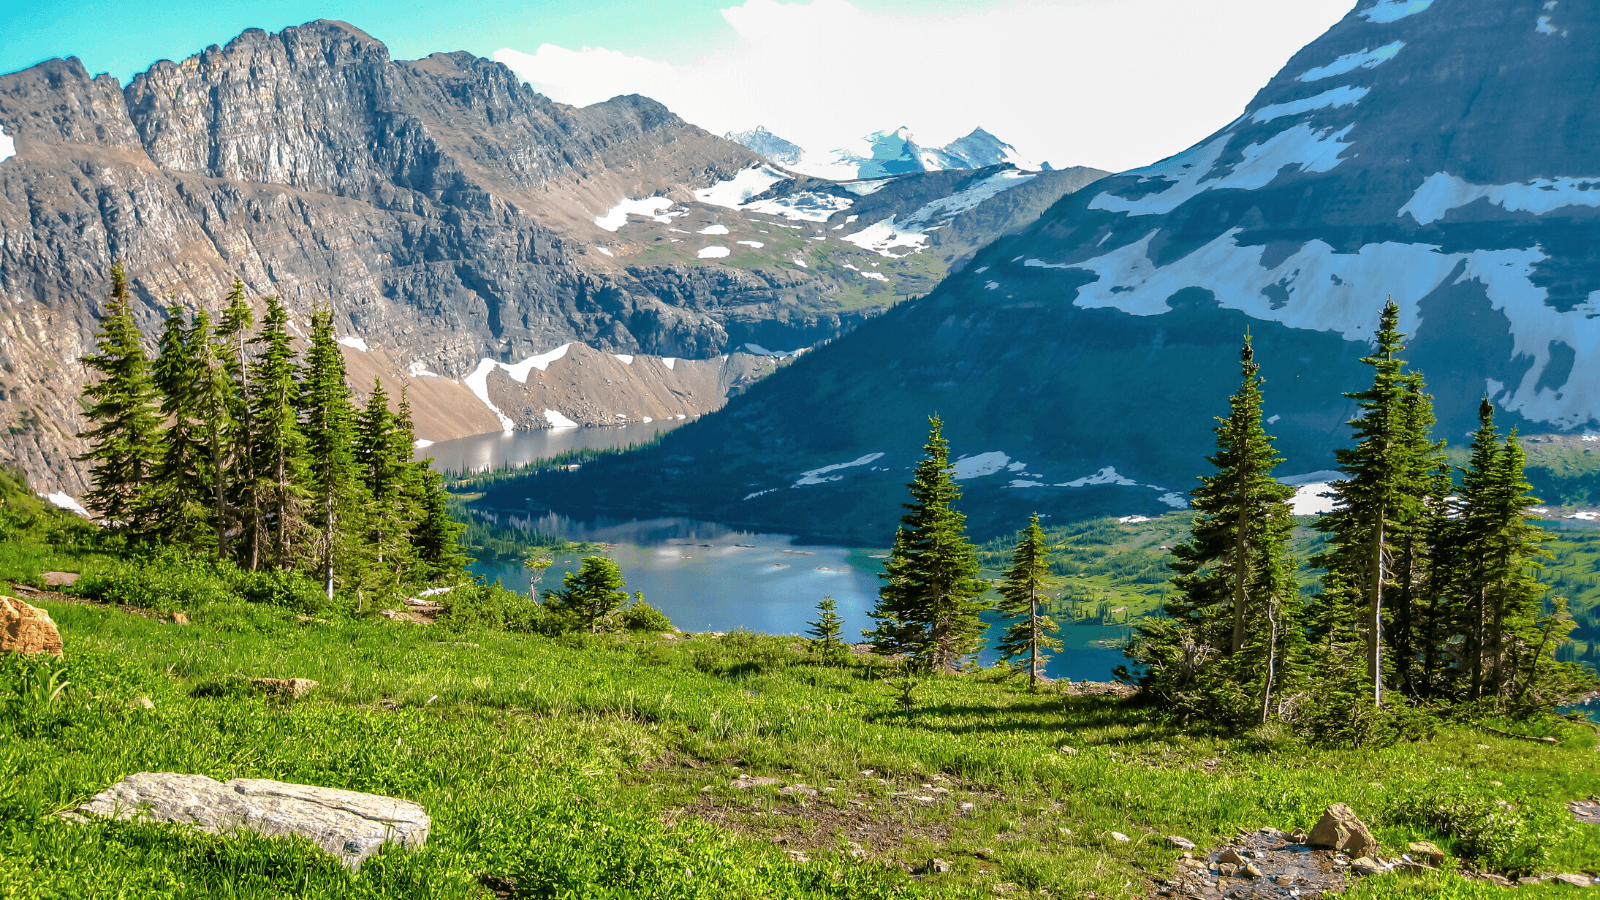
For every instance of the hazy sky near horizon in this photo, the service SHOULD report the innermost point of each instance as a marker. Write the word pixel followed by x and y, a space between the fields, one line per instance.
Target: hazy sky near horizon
pixel 1108 83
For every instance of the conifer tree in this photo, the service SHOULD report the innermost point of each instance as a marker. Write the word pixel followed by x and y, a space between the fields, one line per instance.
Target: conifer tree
pixel 590 595
pixel 1501 548
pixel 383 458
pixel 328 423
pixel 276 446
pixel 122 403
pixel 1235 639
pixel 181 493
pixel 435 534
pixel 238 490
pixel 1421 457
pixel 930 603
pixel 827 630
pixel 1020 596
pixel 214 401
pixel 1380 497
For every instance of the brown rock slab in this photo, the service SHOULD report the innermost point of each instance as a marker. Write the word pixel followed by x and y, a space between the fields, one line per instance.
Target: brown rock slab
pixel 1426 851
pixel 27 629
pixel 1340 829
pixel 59 579
pixel 1586 811
pixel 746 782
pixel 1574 880
pixel 1182 843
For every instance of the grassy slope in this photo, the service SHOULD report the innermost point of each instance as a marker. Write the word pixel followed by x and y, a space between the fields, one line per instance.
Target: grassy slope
pixel 589 767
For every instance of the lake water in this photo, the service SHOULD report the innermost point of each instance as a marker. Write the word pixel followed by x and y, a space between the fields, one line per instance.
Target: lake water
pixel 707 577
pixel 485 452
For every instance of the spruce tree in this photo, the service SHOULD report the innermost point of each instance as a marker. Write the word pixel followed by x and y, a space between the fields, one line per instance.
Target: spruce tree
pixel 435 534
pixel 1380 498
pixel 826 631
pixel 238 493
pixel 930 603
pixel 1235 637
pixel 123 444
pixel 383 457
pixel 1021 594
pixel 1421 457
pixel 276 445
pixel 590 595
pixel 215 401
pixel 329 427
pixel 181 494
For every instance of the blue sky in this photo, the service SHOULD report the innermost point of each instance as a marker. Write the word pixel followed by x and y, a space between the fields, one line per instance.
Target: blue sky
pixel 1106 83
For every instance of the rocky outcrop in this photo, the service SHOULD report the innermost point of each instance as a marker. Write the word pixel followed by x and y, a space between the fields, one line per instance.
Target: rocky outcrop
pixel 349 825
pixel 1340 829
pixel 27 629
pixel 443 209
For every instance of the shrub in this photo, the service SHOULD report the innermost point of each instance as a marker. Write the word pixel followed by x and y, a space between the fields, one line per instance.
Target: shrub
pixel 491 606
pixel 641 616
pixel 1499 834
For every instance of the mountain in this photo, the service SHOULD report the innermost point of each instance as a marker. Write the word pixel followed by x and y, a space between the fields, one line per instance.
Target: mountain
pixel 893 152
pixel 514 261
pixel 769 145
pixel 1444 152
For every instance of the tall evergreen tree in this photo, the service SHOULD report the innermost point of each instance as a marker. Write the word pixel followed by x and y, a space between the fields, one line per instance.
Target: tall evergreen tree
pixel 1021 593
pixel 238 493
pixel 383 458
pixel 215 402
pixel 181 493
pixel 1380 497
pixel 435 534
pixel 1237 606
pixel 123 444
pixel 930 603
pixel 276 445
pixel 328 423
pixel 1421 457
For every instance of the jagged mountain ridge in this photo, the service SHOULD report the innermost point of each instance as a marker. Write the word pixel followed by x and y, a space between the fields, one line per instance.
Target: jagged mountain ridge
pixel 1417 149
pixel 884 153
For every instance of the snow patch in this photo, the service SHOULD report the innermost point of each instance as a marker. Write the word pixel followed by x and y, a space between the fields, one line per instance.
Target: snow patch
pixel 816 476
pixel 1365 59
pixel 354 343
pixel 627 358
pixel 714 228
pixel 1133 520
pixel 758 350
pixel 419 443
pixel 419 369
pixel 520 370
pixel 8 146
pixel 992 286
pixel 670 362
pixel 617 216
pixel 875 276
pixel 1274 420
pixel 1443 192
pixel 605 251
pixel 1023 483
pixel 756 244
pixel 740 188
pixel 1394 10
pixel 1301 146
pixel 883 237
pixel 1585 516
pixel 1041 264
pixel 714 252
pixel 557 420
pixel 64 501
pixel 980 465
pixel 1334 99
pixel 1108 475
pixel 1313 499
pixel 478 383
pixel 759 493
pixel 866 188
pixel 1174 500
pixel 807 206
pixel 1544 27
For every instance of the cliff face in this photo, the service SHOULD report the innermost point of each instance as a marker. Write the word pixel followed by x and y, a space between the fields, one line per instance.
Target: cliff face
pixel 444 210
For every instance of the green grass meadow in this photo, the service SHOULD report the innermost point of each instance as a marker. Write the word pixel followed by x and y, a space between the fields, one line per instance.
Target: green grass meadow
pixel 601 766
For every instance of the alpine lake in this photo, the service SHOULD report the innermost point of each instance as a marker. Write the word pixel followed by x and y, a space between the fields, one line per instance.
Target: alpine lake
pixel 709 577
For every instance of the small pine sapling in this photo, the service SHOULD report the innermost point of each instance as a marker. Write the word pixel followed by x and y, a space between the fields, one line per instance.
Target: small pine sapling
pixel 826 631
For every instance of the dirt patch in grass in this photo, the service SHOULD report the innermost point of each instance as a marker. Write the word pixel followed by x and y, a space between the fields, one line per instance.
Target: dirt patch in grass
pixel 877 826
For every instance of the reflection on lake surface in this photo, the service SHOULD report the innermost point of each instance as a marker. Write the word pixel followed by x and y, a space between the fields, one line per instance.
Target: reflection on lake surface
pixel 484 452
pixel 709 577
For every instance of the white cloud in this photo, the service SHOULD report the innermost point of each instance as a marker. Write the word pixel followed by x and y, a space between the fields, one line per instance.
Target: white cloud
pixel 1107 83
